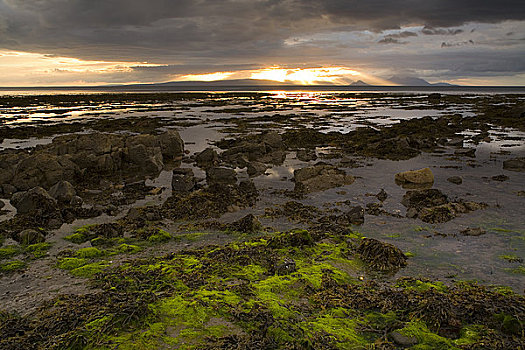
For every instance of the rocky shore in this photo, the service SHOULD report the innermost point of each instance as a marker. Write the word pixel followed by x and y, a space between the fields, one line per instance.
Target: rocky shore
pixel 242 221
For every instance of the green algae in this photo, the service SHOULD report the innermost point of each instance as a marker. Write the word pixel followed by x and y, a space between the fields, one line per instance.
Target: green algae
pixel 89 253
pixel 128 249
pixel 77 238
pixel 160 236
pixel 191 237
pixel 9 251
pixel 71 263
pixel 520 270
pixel 421 285
pixel 427 340
pixel 183 321
pixel 510 324
pixel 80 235
pixel 38 250
pixel 88 270
pixel 11 266
pixel 336 327
pixel 511 258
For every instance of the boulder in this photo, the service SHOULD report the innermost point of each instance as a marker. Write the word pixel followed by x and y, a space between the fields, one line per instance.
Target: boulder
pixel 76 201
pixel 466 152
pixel 424 198
pixel 477 231
pixel 95 144
pixel 320 177
pixel 207 158
pixel 500 178
pixel 306 155
pixel 402 340
pixel 221 176
pixel 2 204
pixel 514 164
pixel 354 216
pixel 256 168
pixel 29 236
pixel 147 140
pixel 171 144
pixel 148 160
pixel 63 191
pixel 183 180
pixel 457 180
pixel 380 255
pixel 35 200
pixel 43 169
pixel 247 224
pixel 382 195
pixel 418 177
pixel 273 140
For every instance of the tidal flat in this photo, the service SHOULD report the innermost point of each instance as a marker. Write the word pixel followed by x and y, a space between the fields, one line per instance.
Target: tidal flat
pixel 271 220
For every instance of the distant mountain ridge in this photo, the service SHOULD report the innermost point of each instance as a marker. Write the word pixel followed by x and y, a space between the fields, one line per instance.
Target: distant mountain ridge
pixel 414 81
pixel 399 80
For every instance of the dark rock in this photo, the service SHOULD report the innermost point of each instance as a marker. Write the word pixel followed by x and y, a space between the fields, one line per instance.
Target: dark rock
pixel 424 198
pixel 29 236
pixel 478 231
pixel 76 201
pixel 274 157
pixel 515 164
pixel 43 170
pixel 347 162
pixel 412 213
pixel 306 155
pixel 381 256
pixel 2 204
pixel 354 216
pixel 465 152
pixel 63 191
pixel 500 178
pixel 448 211
pixel 35 200
pixel 273 140
pixel 256 168
pixel 457 180
pixel 207 158
pixel 247 224
pixel 7 190
pixel 171 145
pixel 288 266
pixel 221 176
pixel 417 177
pixel 134 214
pixel 183 180
pixel 455 141
pixel 402 340
pixel 320 177
pixel 382 195
pixel 149 161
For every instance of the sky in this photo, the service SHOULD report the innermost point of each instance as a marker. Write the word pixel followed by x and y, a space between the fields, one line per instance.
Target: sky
pixel 93 42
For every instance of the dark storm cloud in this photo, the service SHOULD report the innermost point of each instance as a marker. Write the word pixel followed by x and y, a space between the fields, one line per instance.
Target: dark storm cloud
pixel 440 31
pixel 203 28
pixel 459 43
pixel 391 40
pixel 394 38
